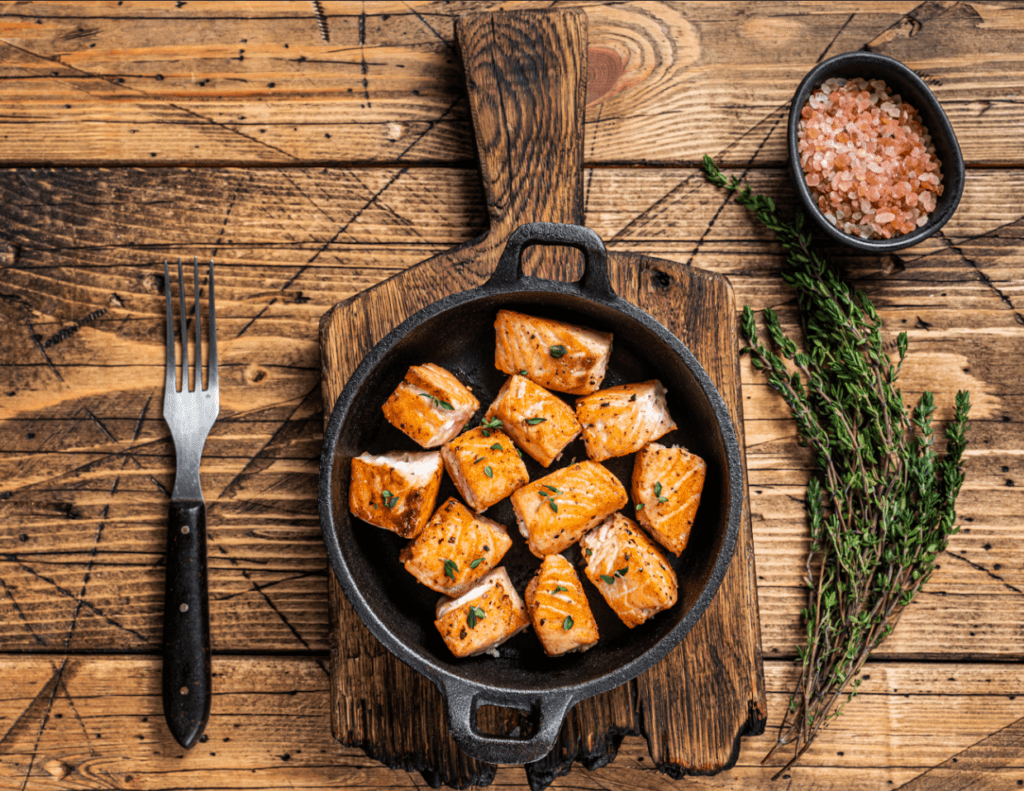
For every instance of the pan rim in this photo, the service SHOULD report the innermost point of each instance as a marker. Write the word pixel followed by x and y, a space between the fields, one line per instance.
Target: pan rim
pixel 527 287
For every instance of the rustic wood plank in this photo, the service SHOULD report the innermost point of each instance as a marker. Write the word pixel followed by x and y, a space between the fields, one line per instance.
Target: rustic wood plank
pixel 144 84
pixel 64 261
pixel 101 717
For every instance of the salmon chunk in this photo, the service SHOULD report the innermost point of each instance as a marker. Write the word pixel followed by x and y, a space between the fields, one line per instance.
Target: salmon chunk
pixel 455 549
pixel 667 483
pixel 559 610
pixel 483 617
pixel 555 511
pixel 628 570
pixel 396 491
pixel 621 420
pixel 559 356
pixel 430 405
pixel 540 423
pixel 485 466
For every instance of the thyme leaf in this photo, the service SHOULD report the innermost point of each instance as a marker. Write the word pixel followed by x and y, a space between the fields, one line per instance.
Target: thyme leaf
pixel 450 568
pixel 881 503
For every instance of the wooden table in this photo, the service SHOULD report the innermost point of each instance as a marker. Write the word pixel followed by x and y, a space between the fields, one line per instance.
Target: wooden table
pixel 314 169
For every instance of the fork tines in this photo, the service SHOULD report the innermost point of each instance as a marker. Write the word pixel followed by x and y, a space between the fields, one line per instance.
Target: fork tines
pixel 195 382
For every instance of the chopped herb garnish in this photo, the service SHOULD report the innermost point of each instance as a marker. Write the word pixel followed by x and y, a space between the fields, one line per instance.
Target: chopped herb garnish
pixel 488 471
pixel 389 498
pixel 657 493
pixel 533 421
pixel 553 504
pixel 559 589
pixel 475 563
pixel 551 488
pixel 437 401
pixel 639 507
pixel 588 551
pixel 450 567
pixel 487 423
pixel 632 397
pixel 522 372
pixel 567 623
pixel 475 614
pixel 519 452
pixel 622 572
pixel 558 351
pixel 607 580
pixel 478 459
pixel 497 446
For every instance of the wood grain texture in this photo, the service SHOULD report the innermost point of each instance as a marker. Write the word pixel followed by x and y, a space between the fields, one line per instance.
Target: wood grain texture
pixel 155 84
pixel 101 718
pixel 78 242
pixel 84 455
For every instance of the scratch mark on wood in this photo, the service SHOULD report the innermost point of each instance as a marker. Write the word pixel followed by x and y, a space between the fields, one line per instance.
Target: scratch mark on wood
pixel 62 335
pixel 253 319
pixel 824 52
pixel 321 20
pixel 21 615
pixel 979 567
pixel 430 125
pixel 430 27
pixel 364 67
pixel 84 603
pixel 74 708
pixel 344 228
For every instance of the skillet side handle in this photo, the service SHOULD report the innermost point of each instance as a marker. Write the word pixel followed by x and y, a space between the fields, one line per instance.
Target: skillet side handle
pixel 462 702
pixel 594 283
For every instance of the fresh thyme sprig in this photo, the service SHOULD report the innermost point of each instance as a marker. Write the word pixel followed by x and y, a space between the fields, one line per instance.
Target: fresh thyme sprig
pixel 881 503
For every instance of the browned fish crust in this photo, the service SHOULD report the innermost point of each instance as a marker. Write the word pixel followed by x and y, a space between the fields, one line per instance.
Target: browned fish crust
pixel 667 483
pixel 559 610
pixel 430 405
pixel 555 511
pixel 560 356
pixel 455 549
pixel 412 479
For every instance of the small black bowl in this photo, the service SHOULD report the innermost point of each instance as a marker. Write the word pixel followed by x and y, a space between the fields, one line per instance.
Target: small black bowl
pixel 912 89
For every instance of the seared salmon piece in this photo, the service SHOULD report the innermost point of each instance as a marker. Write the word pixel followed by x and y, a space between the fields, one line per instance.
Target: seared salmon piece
pixel 667 483
pixel 430 405
pixel 555 511
pixel 559 356
pixel 455 549
pixel 483 617
pixel 628 570
pixel 621 420
pixel 396 491
pixel 485 466
pixel 559 610
pixel 540 423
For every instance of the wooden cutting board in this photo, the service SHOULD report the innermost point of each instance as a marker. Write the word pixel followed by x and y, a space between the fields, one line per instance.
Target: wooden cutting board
pixel 526 81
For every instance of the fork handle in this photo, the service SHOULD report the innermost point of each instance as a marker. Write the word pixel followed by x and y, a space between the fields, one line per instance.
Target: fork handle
pixel 187 685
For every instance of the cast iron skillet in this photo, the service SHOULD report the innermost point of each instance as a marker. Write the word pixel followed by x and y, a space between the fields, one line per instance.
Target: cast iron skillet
pixel 457 332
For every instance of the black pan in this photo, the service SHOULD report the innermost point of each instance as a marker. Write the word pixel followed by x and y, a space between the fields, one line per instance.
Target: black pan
pixel 457 333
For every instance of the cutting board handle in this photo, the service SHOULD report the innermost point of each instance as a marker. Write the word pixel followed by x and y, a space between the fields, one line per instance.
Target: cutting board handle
pixel 526 79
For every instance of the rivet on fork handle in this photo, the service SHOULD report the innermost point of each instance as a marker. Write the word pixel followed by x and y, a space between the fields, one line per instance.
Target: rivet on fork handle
pixel 189 413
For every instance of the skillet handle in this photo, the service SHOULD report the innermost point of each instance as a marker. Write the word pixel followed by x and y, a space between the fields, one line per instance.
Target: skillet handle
pixel 594 283
pixel 463 700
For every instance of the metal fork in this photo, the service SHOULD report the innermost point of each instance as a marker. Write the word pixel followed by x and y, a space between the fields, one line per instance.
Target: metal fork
pixel 189 413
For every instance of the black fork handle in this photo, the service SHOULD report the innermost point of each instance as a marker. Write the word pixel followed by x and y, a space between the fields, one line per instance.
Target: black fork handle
pixel 187 684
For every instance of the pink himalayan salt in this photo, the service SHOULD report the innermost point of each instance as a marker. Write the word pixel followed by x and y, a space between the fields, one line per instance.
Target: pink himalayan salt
pixel 868 161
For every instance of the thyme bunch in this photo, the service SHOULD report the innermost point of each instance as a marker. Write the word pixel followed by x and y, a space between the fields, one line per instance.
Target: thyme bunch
pixel 881 501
